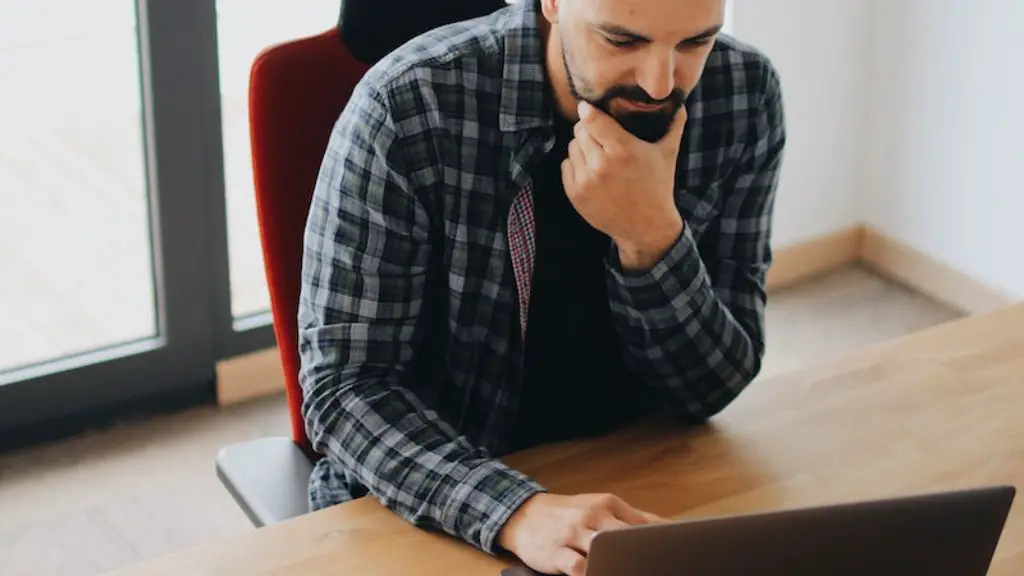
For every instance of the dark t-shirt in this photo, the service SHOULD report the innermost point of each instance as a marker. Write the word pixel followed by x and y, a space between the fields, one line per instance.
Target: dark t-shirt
pixel 574 380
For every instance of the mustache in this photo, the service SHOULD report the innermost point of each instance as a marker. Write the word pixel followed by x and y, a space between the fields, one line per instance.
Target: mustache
pixel 637 94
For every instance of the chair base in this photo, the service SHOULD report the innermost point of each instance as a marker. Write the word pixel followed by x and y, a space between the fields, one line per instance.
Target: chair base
pixel 268 478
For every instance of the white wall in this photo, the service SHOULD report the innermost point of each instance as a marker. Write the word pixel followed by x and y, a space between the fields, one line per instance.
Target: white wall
pixel 946 149
pixel 820 49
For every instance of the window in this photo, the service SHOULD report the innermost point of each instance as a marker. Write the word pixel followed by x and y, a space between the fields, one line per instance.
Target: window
pixel 128 271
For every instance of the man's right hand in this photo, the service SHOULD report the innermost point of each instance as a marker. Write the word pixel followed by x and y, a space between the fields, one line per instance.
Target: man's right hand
pixel 552 533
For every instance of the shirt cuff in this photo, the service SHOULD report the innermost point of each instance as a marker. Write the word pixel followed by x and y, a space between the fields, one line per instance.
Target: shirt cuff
pixel 491 493
pixel 680 274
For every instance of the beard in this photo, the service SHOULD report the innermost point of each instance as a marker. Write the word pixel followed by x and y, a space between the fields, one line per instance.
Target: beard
pixel 650 126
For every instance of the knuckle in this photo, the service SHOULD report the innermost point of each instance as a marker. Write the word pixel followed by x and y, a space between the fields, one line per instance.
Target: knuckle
pixel 578 534
pixel 607 500
pixel 586 517
pixel 587 178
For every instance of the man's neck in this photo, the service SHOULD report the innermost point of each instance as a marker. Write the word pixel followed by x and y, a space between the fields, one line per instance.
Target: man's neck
pixel 565 104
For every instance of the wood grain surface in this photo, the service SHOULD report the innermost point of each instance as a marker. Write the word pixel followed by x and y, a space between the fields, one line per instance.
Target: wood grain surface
pixel 941 409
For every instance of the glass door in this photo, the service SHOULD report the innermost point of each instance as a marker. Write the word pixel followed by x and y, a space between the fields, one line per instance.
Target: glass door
pixel 129 250
pixel 75 234
pixel 243 29
pixel 101 302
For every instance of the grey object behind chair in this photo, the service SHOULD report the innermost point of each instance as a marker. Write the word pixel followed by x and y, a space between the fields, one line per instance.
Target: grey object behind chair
pixel 268 478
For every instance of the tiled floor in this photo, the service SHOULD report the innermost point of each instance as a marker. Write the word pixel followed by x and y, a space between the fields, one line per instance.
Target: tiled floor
pixel 95 503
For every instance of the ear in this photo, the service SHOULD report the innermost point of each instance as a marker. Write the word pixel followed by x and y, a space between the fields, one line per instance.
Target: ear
pixel 549 8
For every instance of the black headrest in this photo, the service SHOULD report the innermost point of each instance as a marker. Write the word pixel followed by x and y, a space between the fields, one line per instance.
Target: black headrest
pixel 372 28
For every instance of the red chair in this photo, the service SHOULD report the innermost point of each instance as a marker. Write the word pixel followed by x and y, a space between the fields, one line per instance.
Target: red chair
pixel 297 91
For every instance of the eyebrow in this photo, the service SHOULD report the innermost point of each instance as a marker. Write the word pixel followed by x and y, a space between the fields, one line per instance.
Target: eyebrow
pixel 615 30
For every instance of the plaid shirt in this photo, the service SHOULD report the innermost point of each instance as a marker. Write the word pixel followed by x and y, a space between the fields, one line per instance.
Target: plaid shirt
pixel 419 251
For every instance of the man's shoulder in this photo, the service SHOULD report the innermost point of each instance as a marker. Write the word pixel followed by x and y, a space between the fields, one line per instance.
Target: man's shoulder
pixel 456 56
pixel 736 69
pixel 737 110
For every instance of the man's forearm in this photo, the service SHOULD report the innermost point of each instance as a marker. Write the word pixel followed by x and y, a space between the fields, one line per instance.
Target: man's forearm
pixel 679 334
pixel 642 256
pixel 414 464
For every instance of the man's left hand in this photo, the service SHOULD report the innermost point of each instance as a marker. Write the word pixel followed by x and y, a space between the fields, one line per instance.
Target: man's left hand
pixel 624 186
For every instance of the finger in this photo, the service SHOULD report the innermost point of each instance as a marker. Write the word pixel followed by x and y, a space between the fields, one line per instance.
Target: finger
pixel 654 518
pixel 581 535
pixel 578 163
pixel 570 562
pixel 604 129
pixel 577 159
pixel 584 536
pixel 674 137
pixel 580 539
pixel 604 523
pixel 598 521
pixel 607 524
pixel 628 514
pixel 568 176
pixel 591 148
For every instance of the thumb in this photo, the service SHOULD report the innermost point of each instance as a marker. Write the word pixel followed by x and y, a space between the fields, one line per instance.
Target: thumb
pixel 674 138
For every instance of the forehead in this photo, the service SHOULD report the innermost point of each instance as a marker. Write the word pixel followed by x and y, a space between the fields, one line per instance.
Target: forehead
pixel 670 19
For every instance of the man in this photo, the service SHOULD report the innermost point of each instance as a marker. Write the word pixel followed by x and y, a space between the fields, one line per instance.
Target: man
pixel 534 226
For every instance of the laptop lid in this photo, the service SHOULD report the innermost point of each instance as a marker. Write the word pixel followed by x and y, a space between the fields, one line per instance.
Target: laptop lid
pixel 952 533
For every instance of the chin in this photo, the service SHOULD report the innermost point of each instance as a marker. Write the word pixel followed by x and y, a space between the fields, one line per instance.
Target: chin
pixel 647 126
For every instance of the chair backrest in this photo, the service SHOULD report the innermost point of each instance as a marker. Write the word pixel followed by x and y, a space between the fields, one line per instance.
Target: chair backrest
pixel 297 91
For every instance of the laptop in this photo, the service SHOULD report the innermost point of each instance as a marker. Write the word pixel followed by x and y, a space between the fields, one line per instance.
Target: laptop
pixel 946 533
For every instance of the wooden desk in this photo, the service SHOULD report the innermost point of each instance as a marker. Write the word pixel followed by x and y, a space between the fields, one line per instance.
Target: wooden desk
pixel 941 409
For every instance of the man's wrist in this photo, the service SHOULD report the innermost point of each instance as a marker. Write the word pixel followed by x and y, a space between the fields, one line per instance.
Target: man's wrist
pixel 507 533
pixel 642 256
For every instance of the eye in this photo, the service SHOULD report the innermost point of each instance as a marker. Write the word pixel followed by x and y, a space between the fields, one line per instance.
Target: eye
pixel 620 42
pixel 698 43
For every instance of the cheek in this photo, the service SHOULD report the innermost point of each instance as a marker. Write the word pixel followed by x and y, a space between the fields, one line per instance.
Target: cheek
pixel 604 65
pixel 617 70
pixel 690 68
pixel 606 76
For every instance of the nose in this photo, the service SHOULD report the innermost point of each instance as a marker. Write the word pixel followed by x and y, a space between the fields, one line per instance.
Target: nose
pixel 657 77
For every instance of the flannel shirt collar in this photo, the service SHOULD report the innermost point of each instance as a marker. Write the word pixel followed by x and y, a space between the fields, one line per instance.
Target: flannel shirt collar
pixel 525 98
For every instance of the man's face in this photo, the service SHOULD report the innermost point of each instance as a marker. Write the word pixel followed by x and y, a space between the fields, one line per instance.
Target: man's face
pixel 635 59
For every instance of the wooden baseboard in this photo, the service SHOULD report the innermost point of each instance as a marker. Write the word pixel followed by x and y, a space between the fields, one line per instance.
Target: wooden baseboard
pixel 929 276
pixel 806 260
pixel 259 373
pixel 249 376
